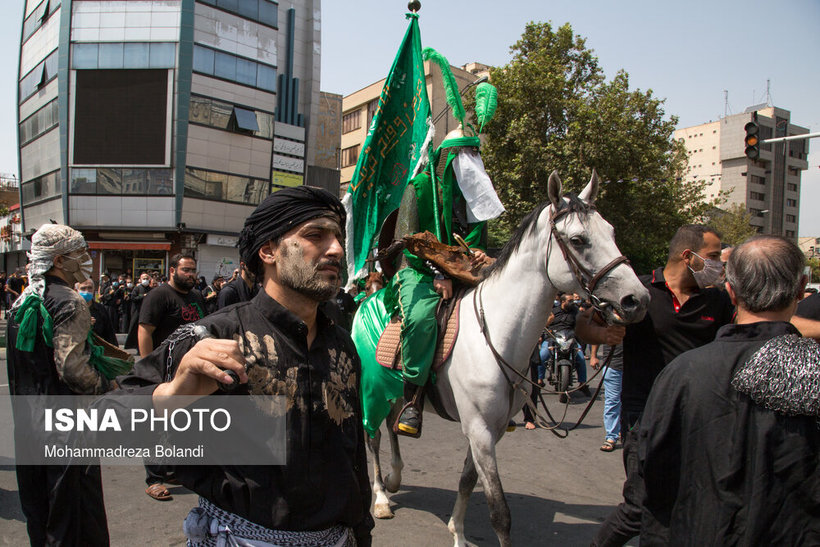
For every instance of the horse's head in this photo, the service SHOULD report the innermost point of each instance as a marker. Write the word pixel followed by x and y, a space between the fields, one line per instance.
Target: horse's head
pixel 582 256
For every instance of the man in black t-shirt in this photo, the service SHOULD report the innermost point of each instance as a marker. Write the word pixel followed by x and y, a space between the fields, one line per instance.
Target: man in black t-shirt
pixel 170 305
pixel 15 285
pixel 163 310
pixel 683 314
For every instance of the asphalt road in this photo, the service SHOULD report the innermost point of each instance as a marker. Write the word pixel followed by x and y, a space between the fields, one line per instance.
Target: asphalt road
pixel 558 490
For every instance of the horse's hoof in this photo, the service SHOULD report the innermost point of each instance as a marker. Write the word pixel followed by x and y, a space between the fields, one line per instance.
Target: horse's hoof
pixel 382 512
pixel 392 485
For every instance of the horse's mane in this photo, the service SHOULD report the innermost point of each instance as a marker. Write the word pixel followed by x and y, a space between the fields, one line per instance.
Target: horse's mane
pixel 574 204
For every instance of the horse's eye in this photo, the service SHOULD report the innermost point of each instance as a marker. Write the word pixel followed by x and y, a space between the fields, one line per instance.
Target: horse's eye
pixel 578 241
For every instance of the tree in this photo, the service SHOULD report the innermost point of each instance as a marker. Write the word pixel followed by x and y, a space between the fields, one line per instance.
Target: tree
pixel 557 111
pixel 733 223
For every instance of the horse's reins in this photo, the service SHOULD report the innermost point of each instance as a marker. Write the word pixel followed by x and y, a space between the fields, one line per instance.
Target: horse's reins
pixel 581 274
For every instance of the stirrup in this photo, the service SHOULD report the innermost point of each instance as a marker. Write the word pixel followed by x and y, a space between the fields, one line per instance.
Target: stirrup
pixel 407 429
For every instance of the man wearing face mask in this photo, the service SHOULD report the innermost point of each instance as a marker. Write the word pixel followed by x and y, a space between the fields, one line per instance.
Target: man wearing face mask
pixel 136 298
pixel 685 312
pixel 48 355
pixel 100 322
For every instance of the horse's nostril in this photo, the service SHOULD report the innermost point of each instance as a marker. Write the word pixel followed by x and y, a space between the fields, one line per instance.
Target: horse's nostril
pixel 629 302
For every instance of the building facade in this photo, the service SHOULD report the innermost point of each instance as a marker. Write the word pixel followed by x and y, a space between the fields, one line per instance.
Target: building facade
pixel 359 107
pixel 156 126
pixel 768 187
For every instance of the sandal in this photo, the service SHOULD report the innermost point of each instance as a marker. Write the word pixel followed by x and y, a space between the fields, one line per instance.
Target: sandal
pixel 158 492
pixel 608 446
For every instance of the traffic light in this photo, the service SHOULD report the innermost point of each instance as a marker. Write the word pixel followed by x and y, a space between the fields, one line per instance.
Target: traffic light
pixel 752 139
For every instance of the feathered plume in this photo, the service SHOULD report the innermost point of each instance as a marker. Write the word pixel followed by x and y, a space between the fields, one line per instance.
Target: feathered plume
pixel 486 96
pixel 450 85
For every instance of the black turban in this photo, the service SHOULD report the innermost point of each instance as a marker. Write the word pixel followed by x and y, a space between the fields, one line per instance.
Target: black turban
pixel 281 212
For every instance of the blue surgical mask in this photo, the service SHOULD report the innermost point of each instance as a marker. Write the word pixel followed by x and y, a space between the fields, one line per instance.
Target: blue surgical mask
pixel 87 296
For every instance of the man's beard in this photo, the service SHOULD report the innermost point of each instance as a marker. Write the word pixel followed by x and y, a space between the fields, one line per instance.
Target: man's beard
pixel 304 277
pixel 183 283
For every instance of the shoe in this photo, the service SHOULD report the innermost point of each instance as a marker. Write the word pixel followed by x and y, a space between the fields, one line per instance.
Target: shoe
pixel 409 422
pixel 608 446
pixel 511 426
pixel 158 492
pixel 585 390
pixel 563 398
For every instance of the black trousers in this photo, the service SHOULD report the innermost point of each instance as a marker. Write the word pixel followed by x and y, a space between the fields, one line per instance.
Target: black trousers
pixel 528 414
pixel 63 505
pixel 624 523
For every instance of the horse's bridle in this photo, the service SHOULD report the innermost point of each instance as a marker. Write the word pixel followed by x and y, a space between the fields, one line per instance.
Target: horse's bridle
pixel 585 278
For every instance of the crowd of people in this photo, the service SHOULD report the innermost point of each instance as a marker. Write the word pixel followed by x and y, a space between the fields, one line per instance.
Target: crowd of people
pixel 712 396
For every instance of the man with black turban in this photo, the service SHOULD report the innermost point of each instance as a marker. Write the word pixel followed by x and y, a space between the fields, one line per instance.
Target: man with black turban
pixel 279 343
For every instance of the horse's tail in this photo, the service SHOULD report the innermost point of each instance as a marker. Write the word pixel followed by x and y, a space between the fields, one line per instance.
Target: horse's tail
pixel 379 385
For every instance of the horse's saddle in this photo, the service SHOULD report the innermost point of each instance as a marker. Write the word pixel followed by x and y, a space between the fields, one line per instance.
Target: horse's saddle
pixel 388 350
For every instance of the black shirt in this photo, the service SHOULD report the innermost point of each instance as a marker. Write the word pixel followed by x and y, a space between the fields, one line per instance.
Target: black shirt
pixel 166 309
pixel 564 319
pixel 809 307
pixel 16 284
pixel 325 481
pixel 667 331
pixel 236 291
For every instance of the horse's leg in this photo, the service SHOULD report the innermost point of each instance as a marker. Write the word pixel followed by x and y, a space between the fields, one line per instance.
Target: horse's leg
pixel 466 484
pixel 482 445
pixel 393 479
pixel 381 507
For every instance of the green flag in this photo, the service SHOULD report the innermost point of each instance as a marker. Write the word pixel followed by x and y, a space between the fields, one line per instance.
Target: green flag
pixel 391 150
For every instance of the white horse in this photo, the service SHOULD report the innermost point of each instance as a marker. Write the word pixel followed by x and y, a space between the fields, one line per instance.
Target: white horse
pixel 564 245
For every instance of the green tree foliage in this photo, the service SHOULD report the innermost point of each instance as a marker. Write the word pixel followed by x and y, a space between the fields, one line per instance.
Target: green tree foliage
pixel 557 111
pixel 814 264
pixel 733 223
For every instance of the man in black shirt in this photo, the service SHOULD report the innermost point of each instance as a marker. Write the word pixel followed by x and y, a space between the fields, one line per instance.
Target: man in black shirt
pixel 683 314
pixel 730 448
pixel 563 319
pixel 279 343
pixel 170 305
pixel 15 284
pixel 163 310
pixel 136 299
pixel 241 289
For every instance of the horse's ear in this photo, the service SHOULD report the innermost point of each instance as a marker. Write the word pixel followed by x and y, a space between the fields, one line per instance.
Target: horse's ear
pixel 591 191
pixel 554 190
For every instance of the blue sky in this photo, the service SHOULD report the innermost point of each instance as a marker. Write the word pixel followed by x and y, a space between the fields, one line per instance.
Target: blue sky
pixel 686 52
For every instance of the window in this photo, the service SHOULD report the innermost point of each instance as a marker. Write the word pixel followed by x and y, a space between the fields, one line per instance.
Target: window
pixel 223 115
pixel 351 121
pixel 791 218
pixel 261 11
pixel 233 68
pixel 757 180
pixel 204 184
pixel 350 156
pixel 39 122
pixel 789 233
pixel 41 188
pixel 791 202
pixel 757 195
pixel 792 187
pixel 244 120
pixel 123 55
pixel 39 16
pixel 372 106
pixel 120 117
pixel 38 77
pixel 128 181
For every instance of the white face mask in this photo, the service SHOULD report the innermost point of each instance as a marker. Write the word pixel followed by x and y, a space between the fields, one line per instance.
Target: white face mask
pixel 145 282
pixel 710 274
pixel 79 267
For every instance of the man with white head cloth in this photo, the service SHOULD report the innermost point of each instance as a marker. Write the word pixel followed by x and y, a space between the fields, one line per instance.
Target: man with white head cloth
pixel 48 355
